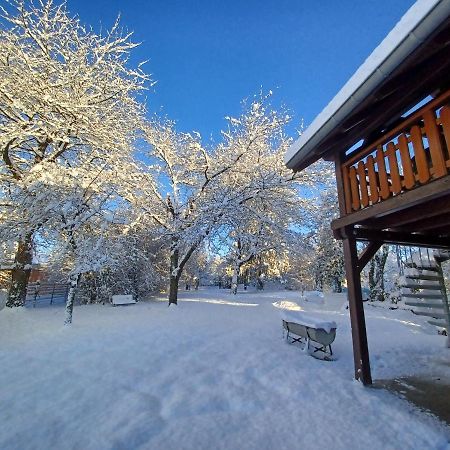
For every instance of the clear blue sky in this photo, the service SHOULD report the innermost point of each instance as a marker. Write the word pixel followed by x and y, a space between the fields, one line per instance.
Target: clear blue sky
pixel 207 55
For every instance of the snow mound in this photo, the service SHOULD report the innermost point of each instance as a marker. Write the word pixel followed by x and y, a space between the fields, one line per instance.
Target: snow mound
pixel 314 297
pixel 287 304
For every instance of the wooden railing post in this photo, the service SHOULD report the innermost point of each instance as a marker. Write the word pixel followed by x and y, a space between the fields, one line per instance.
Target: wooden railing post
pixel 445 122
pixel 434 141
pixel 408 174
pixel 373 181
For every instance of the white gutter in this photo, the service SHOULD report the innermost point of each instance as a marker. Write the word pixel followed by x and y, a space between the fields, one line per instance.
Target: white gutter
pixel 412 29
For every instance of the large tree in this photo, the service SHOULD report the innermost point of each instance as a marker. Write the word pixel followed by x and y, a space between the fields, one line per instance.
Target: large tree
pixel 65 91
pixel 328 258
pixel 199 190
pixel 85 215
pixel 376 274
pixel 264 228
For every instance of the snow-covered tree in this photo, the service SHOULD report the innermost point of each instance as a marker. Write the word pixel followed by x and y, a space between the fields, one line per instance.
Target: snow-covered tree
pixel 65 91
pixel 182 177
pixel 376 274
pixel 7 252
pixel 299 270
pixel 78 207
pixel 328 264
pixel 261 227
pixel 200 190
pixel 260 237
pixel 197 270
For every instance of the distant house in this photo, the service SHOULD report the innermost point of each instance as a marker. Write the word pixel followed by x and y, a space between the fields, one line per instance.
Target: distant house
pixel 388 133
pixel 38 273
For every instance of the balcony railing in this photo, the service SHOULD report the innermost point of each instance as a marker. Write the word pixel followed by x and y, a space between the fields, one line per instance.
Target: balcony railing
pixel 413 154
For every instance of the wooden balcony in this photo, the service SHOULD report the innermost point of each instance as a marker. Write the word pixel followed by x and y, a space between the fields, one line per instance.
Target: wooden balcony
pixel 401 182
pixel 413 154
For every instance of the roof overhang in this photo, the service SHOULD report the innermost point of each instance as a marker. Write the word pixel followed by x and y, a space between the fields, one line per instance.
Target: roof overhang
pixel 409 62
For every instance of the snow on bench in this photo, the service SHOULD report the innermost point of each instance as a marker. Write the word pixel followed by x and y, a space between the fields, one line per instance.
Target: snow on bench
pixel 123 300
pixel 310 327
pixel 308 320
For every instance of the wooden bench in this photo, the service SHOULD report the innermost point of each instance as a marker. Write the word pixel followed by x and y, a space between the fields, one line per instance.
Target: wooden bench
pixel 319 334
pixel 122 300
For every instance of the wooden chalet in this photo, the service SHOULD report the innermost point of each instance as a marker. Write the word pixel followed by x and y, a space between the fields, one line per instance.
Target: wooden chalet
pixel 388 133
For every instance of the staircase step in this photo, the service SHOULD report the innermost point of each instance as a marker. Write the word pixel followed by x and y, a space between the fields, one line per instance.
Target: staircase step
pixel 429 267
pixel 423 266
pixel 436 287
pixel 435 314
pixel 435 296
pixel 425 305
pixel 424 277
pixel 438 323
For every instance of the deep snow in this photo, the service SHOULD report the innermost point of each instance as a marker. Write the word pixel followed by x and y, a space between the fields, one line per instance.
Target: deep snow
pixel 212 373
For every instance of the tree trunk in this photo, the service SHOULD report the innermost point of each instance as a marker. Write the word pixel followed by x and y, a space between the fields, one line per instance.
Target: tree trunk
pixel 21 272
pixel 175 273
pixel 260 282
pixel 176 268
pixel 376 275
pixel 235 278
pixel 337 285
pixel 318 281
pixel 372 283
pixel 246 279
pixel 73 281
pixel 134 286
pixel 382 258
pixel 173 290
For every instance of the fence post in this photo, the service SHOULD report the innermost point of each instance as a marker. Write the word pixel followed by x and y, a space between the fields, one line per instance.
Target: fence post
pixel 53 292
pixel 35 295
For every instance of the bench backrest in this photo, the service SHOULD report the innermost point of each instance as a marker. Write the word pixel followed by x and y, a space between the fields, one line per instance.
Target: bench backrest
pixel 123 300
pixel 315 334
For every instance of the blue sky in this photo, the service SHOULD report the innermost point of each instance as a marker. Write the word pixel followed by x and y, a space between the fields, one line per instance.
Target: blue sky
pixel 208 55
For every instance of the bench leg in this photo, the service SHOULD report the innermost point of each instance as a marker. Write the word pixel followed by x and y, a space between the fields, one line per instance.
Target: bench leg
pixel 291 339
pixel 324 349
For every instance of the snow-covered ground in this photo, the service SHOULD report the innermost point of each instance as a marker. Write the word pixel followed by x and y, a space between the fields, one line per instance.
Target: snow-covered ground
pixel 212 373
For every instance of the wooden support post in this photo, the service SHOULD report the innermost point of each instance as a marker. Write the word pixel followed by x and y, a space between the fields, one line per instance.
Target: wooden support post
pixel 358 323
pixel 353 267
